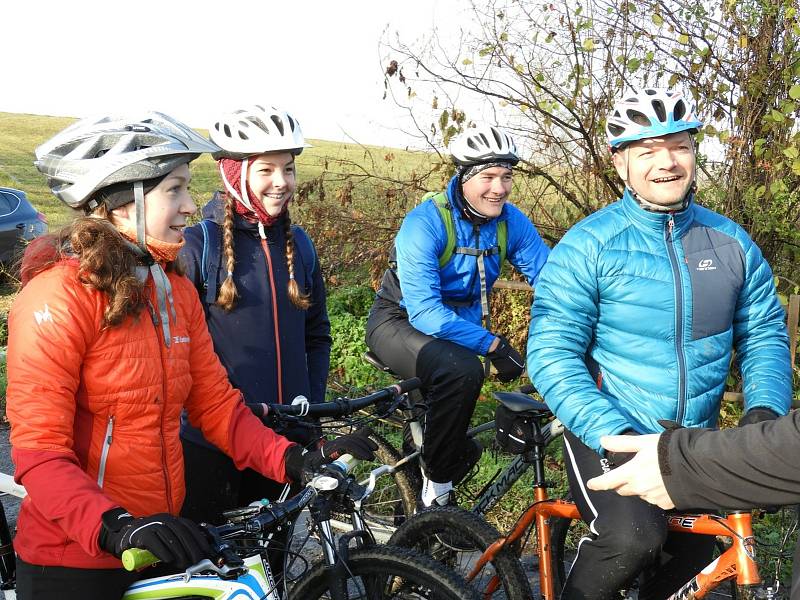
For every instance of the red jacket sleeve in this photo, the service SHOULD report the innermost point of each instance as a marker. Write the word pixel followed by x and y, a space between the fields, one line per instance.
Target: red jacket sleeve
pixel 50 326
pixel 217 408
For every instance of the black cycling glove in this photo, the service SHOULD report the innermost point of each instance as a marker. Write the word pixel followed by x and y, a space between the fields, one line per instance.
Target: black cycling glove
pixel 175 540
pixel 508 362
pixel 756 415
pixel 358 444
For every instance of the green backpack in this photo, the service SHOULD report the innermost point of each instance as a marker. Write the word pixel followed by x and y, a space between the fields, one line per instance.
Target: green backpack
pixel 442 204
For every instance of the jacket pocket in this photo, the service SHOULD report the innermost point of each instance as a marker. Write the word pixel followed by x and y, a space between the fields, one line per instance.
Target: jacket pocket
pixel 101 471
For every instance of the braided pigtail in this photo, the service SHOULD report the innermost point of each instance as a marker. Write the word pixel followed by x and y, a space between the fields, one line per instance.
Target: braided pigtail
pixel 227 291
pixel 299 299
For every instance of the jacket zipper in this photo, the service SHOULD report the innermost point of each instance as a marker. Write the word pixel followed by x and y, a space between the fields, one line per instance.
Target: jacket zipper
pixel 676 272
pixel 104 453
pixel 276 326
pixel 164 467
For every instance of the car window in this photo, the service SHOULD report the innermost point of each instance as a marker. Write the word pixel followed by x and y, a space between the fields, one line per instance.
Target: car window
pixel 8 202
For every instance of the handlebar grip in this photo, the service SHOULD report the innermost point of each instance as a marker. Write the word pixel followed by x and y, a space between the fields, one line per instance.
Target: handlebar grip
pixel 345 463
pixel 134 559
pixel 409 384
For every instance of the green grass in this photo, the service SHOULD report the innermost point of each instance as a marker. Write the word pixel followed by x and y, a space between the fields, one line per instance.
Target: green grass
pixel 20 134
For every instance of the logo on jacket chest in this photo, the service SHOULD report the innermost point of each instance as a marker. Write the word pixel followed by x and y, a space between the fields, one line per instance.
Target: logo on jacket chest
pixel 706 264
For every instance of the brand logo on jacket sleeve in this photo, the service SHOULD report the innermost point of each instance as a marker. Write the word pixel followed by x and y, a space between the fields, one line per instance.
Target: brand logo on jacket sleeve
pixel 43 316
pixel 706 265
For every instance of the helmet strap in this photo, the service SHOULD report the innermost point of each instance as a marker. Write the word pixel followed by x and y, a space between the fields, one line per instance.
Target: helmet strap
pixel 469 212
pixel 138 199
pixel 166 305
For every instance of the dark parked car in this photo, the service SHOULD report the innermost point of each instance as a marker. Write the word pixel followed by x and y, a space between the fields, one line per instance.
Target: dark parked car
pixel 20 222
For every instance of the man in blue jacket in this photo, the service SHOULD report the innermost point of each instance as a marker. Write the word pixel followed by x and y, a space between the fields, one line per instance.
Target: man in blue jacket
pixel 430 317
pixel 635 319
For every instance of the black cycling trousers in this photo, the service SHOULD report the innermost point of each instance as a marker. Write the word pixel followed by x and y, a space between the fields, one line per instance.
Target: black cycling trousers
pixel 451 382
pixel 629 538
pixel 66 583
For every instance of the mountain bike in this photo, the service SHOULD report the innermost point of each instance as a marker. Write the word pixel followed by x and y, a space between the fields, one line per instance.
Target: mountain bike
pixel 463 541
pixel 352 568
pixel 398 502
pixel 242 544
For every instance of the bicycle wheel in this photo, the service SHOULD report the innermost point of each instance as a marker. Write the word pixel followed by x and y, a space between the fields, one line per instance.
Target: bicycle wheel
pixel 383 572
pixel 456 538
pixel 393 499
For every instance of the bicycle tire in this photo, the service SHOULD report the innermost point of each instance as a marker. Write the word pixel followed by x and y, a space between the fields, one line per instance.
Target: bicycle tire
pixel 389 505
pixel 386 572
pixel 565 534
pixel 456 538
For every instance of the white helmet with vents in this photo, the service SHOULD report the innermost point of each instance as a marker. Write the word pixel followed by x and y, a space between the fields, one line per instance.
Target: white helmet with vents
pixel 256 130
pixel 647 113
pixel 94 153
pixel 483 144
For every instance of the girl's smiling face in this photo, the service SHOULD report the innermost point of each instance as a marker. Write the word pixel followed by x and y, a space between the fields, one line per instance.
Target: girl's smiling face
pixel 271 178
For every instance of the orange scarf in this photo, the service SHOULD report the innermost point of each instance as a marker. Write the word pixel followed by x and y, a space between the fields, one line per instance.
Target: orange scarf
pixel 161 251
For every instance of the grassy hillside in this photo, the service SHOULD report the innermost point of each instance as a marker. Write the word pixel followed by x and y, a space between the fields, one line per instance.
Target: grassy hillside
pixel 21 133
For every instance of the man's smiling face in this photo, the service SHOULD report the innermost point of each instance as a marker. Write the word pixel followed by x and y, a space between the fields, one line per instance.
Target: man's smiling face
pixel 660 170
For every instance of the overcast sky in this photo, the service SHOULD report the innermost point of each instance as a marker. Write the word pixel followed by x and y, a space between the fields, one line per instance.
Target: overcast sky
pixel 320 60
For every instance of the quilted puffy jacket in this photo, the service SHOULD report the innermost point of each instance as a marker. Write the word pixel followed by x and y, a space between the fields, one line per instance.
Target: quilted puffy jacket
pixel 446 302
pixel 95 413
pixel 636 314
pixel 265 332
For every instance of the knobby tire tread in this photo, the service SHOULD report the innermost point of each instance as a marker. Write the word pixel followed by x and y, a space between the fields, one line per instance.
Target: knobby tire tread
pixel 421 530
pixel 389 561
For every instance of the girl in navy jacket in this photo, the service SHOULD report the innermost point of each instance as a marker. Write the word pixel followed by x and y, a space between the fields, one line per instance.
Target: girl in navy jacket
pixel 260 282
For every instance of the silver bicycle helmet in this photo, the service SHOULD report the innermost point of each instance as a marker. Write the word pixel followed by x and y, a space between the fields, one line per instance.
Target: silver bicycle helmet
pixel 485 143
pixel 95 153
pixel 647 113
pixel 255 130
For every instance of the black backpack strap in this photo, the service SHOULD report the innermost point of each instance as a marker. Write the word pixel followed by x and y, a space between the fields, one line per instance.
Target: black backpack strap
pixel 209 265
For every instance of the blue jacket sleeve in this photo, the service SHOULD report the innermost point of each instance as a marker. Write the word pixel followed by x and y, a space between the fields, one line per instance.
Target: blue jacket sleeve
pixel 760 337
pixel 526 250
pixel 418 244
pixel 318 335
pixel 563 319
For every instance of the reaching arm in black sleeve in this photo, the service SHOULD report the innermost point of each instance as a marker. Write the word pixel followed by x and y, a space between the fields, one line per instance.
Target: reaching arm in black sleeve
pixel 735 468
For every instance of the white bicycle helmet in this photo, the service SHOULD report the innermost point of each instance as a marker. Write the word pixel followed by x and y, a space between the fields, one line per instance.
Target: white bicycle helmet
pixel 94 153
pixel 647 113
pixel 255 130
pixel 483 144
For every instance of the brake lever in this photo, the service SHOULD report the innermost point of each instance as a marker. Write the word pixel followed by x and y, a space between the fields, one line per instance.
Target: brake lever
pixel 206 565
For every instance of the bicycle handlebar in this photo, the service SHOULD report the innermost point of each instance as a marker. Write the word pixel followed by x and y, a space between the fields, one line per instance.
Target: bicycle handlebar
pixel 134 559
pixel 340 407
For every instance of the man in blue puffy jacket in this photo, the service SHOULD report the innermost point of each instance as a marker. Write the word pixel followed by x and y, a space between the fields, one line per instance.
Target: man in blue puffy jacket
pixel 635 319
pixel 430 317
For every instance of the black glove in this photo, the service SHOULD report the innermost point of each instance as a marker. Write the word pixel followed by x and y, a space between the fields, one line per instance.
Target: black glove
pixel 617 459
pixel 508 362
pixel 756 415
pixel 299 461
pixel 177 541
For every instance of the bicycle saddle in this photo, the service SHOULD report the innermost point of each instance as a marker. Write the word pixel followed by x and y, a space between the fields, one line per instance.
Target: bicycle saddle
pixel 517 402
pixel 376 362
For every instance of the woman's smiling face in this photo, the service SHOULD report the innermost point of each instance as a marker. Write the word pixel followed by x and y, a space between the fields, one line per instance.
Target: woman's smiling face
pixel 271 178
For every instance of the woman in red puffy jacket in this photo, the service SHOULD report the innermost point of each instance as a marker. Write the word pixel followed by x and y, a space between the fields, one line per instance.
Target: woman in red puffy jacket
pixel 107 344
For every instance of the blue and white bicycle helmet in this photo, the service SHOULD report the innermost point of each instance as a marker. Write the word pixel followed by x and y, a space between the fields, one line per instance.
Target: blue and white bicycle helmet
pixel 483 144
pixel 647 113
